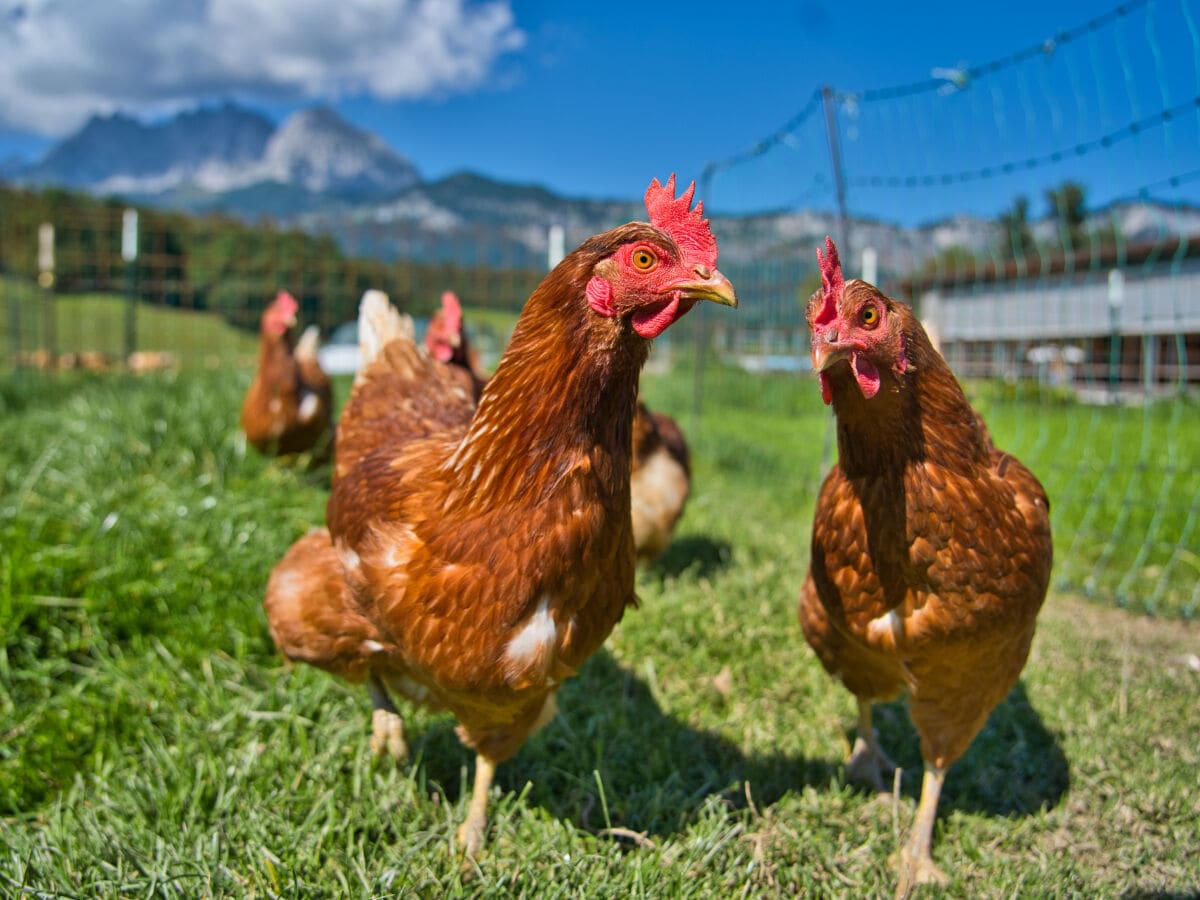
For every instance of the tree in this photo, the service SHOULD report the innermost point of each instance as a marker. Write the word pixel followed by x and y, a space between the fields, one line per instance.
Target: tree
pixel 1016 240
pixel 1068 210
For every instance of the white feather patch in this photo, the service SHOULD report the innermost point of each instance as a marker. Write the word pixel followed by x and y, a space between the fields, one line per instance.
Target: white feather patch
pixel 530 647
pixel 350 560
pixel 308 407
pixel 891 622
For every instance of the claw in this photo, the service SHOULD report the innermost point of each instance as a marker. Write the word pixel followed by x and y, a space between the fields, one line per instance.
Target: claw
pixel 387 735
pixel 917 869
pixel 868 765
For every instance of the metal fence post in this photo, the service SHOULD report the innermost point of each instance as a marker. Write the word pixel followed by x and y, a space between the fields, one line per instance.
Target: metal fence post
pixel 45 260
pixel 129 253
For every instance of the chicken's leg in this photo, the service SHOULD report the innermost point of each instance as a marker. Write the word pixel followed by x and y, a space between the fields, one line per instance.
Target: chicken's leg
pixel 387 727
pixel 868 763
pixel 916 863
pixel 470 832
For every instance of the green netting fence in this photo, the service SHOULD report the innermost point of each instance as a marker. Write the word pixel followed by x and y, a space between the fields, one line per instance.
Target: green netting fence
pixel 1039 210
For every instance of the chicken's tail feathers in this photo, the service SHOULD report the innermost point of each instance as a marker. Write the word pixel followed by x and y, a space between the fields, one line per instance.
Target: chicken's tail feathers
pixel 306 346
pixel 379 323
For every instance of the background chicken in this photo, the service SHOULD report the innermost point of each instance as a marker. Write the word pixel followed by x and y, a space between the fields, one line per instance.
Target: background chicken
pixel 478 557
pixel 289 406
pixel 931 549
pixel 446 339
pixel 660 483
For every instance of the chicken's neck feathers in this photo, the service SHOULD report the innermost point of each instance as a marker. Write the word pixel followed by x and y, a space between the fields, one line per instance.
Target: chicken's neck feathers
pixel 563 392
pixel 918 416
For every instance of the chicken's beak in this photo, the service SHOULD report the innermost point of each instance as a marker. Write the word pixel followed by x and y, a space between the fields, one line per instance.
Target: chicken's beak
pixel 829 347
pixel 825 355
pixel 710 285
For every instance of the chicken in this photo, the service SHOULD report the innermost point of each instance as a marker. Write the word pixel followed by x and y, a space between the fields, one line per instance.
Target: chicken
pixel 931 549
pixel 475 557
pixel 660 482
pixel 289 406
pixel 446 340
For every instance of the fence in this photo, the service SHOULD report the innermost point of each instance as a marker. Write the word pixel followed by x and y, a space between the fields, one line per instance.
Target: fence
pixel 1082 326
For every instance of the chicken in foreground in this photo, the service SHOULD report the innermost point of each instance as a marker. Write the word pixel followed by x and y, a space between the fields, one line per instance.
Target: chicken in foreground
pixel 446 340
pixel 289 406
pixel 475 557
pixel 661 481
pixel 931 549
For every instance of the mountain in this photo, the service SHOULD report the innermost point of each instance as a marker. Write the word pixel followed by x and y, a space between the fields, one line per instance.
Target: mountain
pixel 320 173
pixel 114 154
pixel 197 156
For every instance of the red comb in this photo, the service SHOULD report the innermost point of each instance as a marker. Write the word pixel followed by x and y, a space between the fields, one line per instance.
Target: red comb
pixel 276 316
pixel 831 281
pixel 452 310
pixel 686 226
pixel 285 304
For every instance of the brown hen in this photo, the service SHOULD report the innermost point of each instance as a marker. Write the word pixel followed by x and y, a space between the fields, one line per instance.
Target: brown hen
pixel 660 483
pixel 477 557
pixel 289 406
pixel 446 339
pixel 931 549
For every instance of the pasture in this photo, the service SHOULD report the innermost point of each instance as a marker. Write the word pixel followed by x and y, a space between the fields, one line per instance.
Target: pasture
pixel 153 744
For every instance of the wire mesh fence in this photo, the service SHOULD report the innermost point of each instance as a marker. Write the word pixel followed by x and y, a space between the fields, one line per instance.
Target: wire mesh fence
pixel 1038 210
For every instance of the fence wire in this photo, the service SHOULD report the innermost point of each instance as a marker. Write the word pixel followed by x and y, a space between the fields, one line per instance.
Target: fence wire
pixel 1039 210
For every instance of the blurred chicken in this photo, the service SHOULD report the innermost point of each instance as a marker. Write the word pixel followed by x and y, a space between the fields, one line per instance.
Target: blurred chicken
pixel 931 549
pixel 446 339
pixel 289 406
pixel 477 556
pixel 660 483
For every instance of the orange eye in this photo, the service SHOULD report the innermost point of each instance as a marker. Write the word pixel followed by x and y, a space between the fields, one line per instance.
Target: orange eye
pixel 643 259
pixel 870 316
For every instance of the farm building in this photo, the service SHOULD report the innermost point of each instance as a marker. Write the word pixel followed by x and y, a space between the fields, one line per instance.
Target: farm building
pixel 1121 318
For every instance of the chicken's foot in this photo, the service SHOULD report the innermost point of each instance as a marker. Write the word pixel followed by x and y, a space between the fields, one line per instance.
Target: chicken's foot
pixel 470 832
pixel 868 764
pixel 387 727
pixel 916 862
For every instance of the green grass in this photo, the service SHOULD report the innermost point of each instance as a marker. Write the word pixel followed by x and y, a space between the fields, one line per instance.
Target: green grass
pixel 96 322
pixel 153 744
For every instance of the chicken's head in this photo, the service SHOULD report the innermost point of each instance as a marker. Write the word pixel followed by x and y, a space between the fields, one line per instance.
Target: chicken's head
pixel 444 338
pixel 856 330
pixel 280 315
pixel 659 272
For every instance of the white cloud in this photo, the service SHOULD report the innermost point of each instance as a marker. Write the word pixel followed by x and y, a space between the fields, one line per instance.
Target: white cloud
pixel 63 60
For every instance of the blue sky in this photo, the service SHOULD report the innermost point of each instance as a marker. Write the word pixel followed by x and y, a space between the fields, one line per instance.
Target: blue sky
pixel 593 99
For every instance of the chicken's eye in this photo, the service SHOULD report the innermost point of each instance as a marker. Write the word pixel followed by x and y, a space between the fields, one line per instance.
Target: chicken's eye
pixel 643 259
pixel 870 316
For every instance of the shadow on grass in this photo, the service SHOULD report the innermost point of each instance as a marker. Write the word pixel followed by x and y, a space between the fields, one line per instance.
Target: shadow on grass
pixel 614 757
pixel 1014 767
pixel 697 553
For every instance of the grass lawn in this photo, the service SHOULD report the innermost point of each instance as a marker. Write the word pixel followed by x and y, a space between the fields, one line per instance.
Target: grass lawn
pixel 96 322
pixel 153 744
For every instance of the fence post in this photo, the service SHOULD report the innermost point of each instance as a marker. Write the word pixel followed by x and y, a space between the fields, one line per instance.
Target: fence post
pixel 129 253
pixel 45 260
pixel 1116 296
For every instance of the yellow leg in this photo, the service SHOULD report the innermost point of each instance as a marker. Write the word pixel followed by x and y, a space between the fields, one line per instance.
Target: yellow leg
pixel 916 862
pixel 470 832
pixel 868 763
